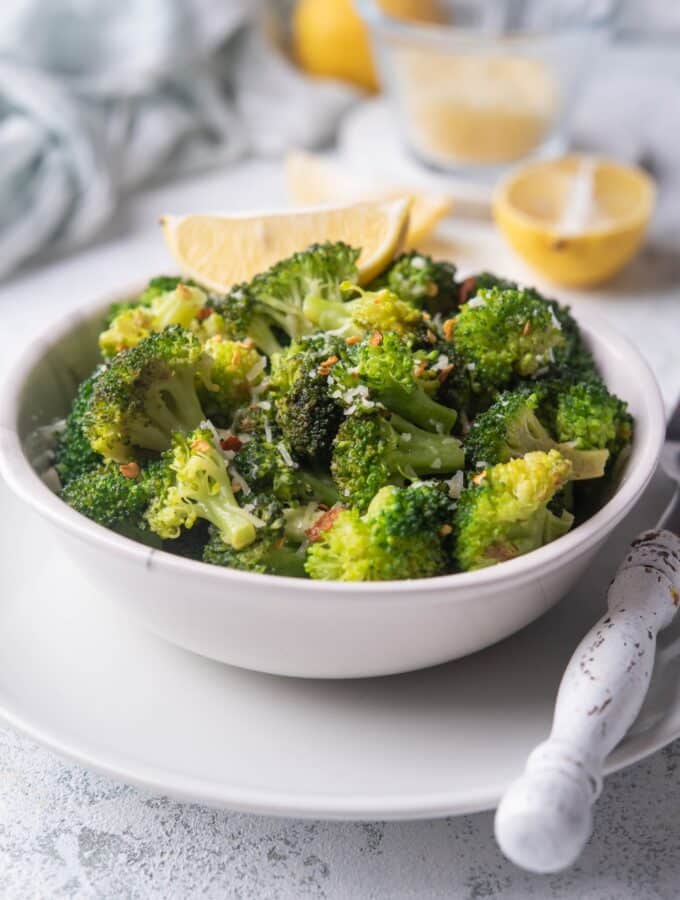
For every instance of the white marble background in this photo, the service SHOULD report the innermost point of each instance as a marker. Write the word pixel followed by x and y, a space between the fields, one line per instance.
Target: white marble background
pixel 67 833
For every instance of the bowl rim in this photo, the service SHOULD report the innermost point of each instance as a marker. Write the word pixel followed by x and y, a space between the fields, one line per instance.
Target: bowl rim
pixel 27 484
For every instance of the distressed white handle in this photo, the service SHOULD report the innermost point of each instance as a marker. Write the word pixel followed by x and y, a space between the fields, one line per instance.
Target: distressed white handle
pixel 545 817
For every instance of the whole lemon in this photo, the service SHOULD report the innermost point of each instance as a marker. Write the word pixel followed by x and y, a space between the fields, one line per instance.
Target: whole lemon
pixel 329 38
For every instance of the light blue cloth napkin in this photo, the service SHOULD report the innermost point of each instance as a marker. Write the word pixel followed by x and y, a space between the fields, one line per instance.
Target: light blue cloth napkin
pixel 97 97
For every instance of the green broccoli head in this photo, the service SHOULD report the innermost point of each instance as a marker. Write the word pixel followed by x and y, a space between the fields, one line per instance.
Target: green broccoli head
pixel 372 311
pixel 146 395
pixel 504 334
pixel 266 464
pixel 385 369
pixel 155 311
pixel 316 273
pixel 419 280
pixel 588 416
pixel 505 512
pixel 233 370
pixel 306 413
pixel 571 358
pixel 269 554
pixel 511 427
pixel 196 485
pixel 159 285
pixel 401 535
pixel 238 316
pixel 372 450
pixel 73 454
pixel 114 495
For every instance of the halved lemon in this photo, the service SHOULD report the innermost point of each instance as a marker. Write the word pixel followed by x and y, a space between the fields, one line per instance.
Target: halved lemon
pixel 577 220
pixel 311 179
pixel 219 251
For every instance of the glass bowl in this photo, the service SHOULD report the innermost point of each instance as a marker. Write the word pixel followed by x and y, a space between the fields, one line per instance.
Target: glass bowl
pixel 494 83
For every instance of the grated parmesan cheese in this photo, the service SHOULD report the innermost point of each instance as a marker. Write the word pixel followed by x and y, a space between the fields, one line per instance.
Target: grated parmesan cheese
pixel 285 455
pixel 256 369
pixel 456 484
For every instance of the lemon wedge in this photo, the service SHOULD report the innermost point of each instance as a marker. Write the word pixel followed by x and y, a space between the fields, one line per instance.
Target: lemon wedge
pixel 219 251
pixel 311 179
pixel 577 220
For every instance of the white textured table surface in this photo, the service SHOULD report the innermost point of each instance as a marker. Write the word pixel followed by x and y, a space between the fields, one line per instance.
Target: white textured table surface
pixel 67 833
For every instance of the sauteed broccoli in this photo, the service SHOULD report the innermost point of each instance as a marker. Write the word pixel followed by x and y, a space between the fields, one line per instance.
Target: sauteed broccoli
pixel 305 425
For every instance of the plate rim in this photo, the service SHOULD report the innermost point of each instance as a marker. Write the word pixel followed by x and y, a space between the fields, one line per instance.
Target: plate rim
pixel 324 806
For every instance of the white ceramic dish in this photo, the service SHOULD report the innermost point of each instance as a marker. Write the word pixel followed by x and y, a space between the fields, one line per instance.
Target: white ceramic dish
pixel 78 675
pixel 298 627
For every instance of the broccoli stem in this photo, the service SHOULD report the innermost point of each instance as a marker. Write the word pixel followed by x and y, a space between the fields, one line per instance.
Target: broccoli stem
pixel 233 524
pixel 418 407
pixel 585 463
pixel 319 487
pixel 532 435
pixel 171 405
pixel 423 452
pixel 328 315
pixel 287 561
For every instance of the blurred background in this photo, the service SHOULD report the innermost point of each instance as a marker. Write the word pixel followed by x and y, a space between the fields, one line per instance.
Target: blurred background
pixel 112 113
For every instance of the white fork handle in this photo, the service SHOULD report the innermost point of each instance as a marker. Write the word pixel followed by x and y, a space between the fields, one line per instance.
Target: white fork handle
pixel 545 817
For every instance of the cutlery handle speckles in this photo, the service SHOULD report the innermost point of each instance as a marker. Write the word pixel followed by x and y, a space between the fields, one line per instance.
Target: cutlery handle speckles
pixel 545 817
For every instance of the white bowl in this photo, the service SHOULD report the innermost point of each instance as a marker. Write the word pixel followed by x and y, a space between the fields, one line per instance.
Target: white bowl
pixel 305 628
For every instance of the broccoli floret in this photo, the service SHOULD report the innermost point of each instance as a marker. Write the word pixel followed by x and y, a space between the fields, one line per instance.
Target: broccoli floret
pixel 238 316
pixel 234 368
pixel 196 484
pixel 501 335
pixel 154 288
pixel 511 428
pixel 571 357
pixel 372 450
pixel 113 495
pixel 421 281
pixel 73 454
pixel 306 413
pixel 267 466
pixel 283 292
pixel 396 377
pixel 400 536
pixel 178 306
pixel 269 554
pixel 373 311
pixel 146 395
pixel 589 416
pixel 504 513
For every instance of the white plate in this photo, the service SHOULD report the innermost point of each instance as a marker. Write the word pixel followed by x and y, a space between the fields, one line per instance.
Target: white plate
pixel 80 678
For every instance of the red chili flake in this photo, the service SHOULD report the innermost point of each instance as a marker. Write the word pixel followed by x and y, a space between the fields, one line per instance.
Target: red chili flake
pixel 448 328
pixel 129 470
pixel 467 289
pixel 327 363
pixel 444 374
pixel 376 339
pixel 231 442
pixel 204 313
pixel 323 523
pixel 353 339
